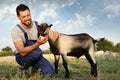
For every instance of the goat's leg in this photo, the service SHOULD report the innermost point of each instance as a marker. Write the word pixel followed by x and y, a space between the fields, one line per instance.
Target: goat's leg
pixel 67 73
pixel 56 57
pixel 93 65
pixel 91 58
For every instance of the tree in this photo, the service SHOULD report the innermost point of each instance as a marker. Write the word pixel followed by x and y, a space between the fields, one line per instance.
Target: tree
pixel 117 47
pixel 106 45
pixel 7 49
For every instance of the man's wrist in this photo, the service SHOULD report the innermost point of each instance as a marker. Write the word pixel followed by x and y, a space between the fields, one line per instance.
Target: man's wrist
pixel 37 44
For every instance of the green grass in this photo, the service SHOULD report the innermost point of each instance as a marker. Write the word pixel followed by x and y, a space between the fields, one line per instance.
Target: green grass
pixel 108 69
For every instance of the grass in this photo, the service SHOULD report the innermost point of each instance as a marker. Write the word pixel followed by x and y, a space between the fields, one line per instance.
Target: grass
pixel 108 69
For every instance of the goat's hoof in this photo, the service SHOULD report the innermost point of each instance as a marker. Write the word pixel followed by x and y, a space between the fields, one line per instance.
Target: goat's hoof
pixel 95 75
pixel 56 71
pixel 67 76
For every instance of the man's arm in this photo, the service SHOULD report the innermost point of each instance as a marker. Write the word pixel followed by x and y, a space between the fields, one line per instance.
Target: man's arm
pixel 26 50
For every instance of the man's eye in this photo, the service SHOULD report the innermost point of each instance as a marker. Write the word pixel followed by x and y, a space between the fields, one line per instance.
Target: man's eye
pixel 23 17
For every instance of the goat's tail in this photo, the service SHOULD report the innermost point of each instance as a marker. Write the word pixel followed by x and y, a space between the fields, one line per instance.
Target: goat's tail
pixel 99 39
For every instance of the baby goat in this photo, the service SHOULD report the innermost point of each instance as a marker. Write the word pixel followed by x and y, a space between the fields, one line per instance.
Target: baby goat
pixel 72 45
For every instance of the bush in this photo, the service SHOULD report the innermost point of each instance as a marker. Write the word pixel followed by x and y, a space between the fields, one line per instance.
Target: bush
pixel 6 53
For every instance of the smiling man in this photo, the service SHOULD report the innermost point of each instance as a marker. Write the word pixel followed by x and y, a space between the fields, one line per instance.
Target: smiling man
pixel 25 36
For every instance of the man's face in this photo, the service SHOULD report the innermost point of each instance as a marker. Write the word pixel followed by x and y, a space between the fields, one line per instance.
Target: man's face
pixel 25 17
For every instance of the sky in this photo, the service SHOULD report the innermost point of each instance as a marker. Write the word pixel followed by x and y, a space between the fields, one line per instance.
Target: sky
pixel 98 18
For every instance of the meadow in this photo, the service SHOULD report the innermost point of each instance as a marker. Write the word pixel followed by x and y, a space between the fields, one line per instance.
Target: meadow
pixel 108 69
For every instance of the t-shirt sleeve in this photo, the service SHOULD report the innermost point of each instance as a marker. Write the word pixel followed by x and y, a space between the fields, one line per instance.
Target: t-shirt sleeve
pixel 16 34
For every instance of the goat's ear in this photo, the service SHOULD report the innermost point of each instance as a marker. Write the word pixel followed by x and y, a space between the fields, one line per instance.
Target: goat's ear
pixel 50 25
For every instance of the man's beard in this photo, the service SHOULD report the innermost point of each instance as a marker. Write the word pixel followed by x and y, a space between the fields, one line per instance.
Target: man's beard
pixel 28 25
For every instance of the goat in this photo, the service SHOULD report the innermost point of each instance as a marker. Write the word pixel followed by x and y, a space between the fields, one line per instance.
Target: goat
pixel 70 45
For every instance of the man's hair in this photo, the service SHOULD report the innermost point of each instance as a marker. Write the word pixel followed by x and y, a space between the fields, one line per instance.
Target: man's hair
pixel 21 7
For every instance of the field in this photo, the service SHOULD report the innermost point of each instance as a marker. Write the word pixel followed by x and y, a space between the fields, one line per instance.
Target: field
pixel 108 69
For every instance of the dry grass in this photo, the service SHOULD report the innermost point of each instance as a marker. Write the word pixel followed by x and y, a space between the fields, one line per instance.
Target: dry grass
pixel 108 69
pixel 7 58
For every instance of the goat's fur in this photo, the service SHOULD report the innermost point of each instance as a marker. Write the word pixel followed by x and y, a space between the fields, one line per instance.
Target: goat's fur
pixel 72 45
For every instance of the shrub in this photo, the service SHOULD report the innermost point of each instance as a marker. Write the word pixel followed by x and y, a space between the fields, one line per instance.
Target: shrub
pixel 6 53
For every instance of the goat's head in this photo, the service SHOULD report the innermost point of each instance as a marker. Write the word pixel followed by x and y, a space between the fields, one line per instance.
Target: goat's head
pixel 44 28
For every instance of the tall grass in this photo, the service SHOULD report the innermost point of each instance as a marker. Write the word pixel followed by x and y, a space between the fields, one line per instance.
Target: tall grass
pixel 108 69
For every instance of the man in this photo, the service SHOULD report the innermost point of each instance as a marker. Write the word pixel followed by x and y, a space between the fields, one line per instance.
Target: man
pixel 26 40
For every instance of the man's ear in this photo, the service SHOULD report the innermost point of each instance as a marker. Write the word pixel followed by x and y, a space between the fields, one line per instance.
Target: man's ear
pixel 18 17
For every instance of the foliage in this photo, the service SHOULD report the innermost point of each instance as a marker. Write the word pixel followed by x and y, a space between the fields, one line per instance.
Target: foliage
pixel 7 51
pixel 117 47
pixel 107 45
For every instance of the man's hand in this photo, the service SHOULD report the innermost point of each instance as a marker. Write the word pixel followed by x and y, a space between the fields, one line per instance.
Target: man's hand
pixel 42 40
